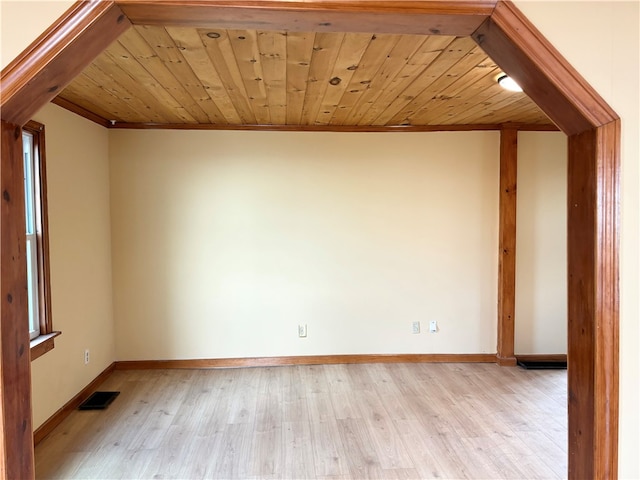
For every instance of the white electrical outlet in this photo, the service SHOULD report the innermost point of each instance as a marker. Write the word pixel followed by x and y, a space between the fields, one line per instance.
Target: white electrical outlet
pixel 433 326
pixel 415 327
pixel 86 356
pixel 302 331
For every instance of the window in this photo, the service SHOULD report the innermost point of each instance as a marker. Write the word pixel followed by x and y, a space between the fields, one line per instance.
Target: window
pixel 37 240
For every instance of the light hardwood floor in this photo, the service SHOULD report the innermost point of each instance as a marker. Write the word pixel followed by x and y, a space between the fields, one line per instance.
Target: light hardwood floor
pixel 384 421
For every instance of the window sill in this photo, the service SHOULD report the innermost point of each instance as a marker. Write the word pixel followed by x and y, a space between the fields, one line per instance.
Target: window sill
pixel 42 344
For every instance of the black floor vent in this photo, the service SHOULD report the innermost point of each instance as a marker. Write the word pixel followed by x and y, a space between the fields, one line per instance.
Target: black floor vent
pixel 542 365
pixel 98 401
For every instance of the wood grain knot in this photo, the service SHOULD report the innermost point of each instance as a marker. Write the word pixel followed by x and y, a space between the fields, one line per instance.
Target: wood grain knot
pixel 335 81
pixel 480 38
pixel 53 89
pixel 325 24
pixel 21 350
pixel 213 35
pixel 24 426
pixel 10 298
pixel 352 67
pixel 17 133
pixel 120 19
pixel 435 31
pixel 6 196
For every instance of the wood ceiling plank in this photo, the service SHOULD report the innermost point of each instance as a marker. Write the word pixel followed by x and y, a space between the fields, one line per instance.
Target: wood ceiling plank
pixel 463 90
pixel 325 53
pixel 449 94
pixel 166 49
pixel 462 68
pixel 148 58
pixel 518 109
pixel 428 53
pixel 299 52
pixel 218 47
pixel 273 56
pixel 504 108
pixel 118 53
pixel 190 44
pixel 275 78
pixel 480 101
pixel 346 64
pixel 456 51
pixel 128 90
pixel 390 55
pixel 485 110
pixel 534 116
pixel 101 92
pixel 79 98
pixel 247 54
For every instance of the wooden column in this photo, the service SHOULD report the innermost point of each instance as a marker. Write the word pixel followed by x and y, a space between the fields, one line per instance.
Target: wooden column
pixel 507 245
pixel 593 302
pixel 16 439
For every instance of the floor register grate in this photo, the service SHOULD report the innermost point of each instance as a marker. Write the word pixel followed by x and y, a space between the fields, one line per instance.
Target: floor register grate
pixel 542 365
pixel 98 401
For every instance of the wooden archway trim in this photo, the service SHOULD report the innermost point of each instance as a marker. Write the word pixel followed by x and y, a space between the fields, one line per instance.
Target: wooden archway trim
pixel 592 238
pixel 512 41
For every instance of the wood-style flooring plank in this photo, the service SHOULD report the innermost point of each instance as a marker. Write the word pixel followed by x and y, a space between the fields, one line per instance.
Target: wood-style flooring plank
pixel 384 421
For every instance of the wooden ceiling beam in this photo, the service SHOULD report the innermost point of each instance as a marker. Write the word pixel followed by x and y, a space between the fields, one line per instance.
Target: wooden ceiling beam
pixel 79 110
pixel 434 17
pixel 339 128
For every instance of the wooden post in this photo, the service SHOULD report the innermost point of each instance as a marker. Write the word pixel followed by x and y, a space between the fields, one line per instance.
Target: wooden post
pixel 593 302
pixel 507 245
pixel 16 439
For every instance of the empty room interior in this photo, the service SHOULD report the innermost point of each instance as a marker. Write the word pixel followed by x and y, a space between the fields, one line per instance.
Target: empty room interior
pixel 305 254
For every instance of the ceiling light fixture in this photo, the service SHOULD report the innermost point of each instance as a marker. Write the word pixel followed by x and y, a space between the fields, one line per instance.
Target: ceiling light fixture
pixel 509 83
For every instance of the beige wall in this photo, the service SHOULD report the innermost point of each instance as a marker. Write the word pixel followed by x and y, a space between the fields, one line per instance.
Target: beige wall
pixel 541 239
pixel 80 259
pixel 223 242
pixel 610 61
pixel 22 21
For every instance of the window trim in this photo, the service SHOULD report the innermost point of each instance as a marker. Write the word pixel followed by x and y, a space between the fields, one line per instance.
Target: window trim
pixel 45 341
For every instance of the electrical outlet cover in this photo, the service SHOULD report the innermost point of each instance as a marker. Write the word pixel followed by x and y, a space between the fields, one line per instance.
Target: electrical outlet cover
pixel 302 331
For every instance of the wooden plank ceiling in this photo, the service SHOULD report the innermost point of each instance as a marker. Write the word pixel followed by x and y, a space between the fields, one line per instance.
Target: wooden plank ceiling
pixel 245 77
